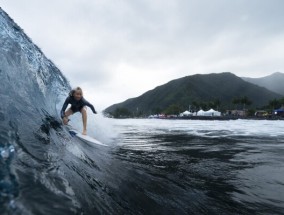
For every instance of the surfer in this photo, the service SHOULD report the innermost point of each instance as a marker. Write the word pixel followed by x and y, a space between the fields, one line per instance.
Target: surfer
pixel 78 104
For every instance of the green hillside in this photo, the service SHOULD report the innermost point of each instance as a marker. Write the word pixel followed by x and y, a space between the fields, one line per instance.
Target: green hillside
pixel 188 90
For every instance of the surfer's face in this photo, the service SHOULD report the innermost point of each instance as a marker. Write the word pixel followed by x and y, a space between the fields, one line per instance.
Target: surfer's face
pixel 78 94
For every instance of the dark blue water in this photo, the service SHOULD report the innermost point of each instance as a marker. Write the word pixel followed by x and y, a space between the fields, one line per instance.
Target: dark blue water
pixel 152 167
pixel 198 167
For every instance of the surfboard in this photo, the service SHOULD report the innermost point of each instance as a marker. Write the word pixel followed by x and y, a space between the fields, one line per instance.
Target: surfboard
pixel 85 138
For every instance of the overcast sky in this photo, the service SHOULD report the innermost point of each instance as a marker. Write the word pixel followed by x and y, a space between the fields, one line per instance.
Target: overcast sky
pixel 117 49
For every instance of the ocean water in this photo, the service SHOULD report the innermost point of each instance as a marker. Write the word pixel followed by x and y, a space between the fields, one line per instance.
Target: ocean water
pixel 193 167
pixel 150 166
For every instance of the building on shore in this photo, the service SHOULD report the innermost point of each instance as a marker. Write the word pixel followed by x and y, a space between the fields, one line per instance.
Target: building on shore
pixel 241 113
pixel 279 112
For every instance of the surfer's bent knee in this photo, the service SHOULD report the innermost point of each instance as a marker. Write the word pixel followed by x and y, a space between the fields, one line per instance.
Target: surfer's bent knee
pixel 83 110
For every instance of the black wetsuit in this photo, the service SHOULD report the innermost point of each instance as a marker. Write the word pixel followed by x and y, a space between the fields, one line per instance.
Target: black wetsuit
pixel 76 105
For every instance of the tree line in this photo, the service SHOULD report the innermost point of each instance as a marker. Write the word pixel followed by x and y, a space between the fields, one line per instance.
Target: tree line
pixel 240 103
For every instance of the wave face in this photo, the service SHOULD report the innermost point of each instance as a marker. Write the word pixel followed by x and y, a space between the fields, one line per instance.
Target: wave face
pixel 31 85
pixel 43 170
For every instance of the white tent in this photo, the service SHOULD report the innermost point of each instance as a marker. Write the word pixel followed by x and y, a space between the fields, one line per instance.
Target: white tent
pixel 212 112
pixel 200 113
pixel 187 113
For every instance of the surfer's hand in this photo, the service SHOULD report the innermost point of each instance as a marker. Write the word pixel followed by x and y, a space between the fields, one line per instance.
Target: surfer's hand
pixel 65 120
pixel 95 112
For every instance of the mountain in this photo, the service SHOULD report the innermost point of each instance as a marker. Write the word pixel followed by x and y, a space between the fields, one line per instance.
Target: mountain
pixel 197 88
pixel 273 82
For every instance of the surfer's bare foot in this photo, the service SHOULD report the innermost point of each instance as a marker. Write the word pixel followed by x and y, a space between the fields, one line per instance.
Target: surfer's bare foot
pixel 84 132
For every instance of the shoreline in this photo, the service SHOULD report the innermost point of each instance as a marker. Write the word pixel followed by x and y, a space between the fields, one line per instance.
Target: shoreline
pixel 223 118
pixel 211 118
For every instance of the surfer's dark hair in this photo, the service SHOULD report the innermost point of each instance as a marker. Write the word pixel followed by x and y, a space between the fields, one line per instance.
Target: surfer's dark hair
pixel 71 93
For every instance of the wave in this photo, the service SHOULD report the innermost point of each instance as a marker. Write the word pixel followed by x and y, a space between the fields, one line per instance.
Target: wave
pixel 43 170
pixel 30 131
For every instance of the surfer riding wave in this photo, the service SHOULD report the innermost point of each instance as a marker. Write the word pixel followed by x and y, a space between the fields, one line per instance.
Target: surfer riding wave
pixel 78 104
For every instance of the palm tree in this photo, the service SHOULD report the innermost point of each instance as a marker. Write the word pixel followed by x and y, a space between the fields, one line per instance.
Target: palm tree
pixel 236 101
pixel 195 105
pixel 245 101
pixel 274 103
pixel 217 104
pixel 281 101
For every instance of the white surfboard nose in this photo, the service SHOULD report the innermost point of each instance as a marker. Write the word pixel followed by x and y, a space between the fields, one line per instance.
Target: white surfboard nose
pixel 74 133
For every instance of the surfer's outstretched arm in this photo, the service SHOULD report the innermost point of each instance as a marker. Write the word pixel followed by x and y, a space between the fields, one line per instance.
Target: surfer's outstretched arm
pixel 62 112
pixel 68 113
pixel 64 115
pixel 90 106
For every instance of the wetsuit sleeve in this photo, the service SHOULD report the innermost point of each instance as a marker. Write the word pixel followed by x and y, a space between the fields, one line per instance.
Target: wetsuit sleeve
pixel 90 106
pixel 62 112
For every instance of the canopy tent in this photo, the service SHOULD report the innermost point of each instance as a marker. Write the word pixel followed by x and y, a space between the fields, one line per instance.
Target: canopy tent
pixel 200 113
pixel 187 113
pixel 212 112
pixel 279 111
